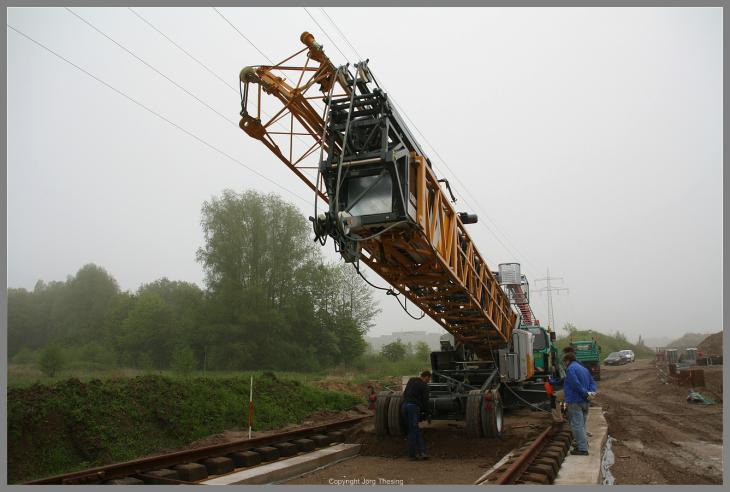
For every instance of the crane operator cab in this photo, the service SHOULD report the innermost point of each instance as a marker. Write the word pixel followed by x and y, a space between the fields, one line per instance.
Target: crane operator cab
pixel 369 170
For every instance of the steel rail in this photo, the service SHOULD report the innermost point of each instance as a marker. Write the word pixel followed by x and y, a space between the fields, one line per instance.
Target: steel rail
pixel 523 462
pixel 141 465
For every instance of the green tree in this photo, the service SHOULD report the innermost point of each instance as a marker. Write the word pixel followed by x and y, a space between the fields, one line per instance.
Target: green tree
pixel 423 351
pixel 270 293
pixel 145 362
pixel 394 351
pixel 51 360
pixel 149 328
pixel 87 299
pixel 24 356
pixel 183 360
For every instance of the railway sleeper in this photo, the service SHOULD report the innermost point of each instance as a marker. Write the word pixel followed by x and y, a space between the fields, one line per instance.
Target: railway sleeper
pixel 535 478
pixel 219 465
pixel 546 470
pixel 557 449
pixel 545 461
pixel 191 472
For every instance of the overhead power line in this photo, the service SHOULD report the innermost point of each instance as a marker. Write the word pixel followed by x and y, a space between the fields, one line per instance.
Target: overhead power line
pixel 242 35
pixel 233 88
pixel 164 118
pixel 152 67
pixel 341 33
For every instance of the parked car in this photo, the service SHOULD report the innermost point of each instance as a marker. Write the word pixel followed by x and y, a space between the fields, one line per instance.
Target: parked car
pixel 628 354
pixel 615 359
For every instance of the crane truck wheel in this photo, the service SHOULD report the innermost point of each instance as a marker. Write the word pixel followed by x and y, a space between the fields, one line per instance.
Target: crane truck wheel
pixel 473 414
pixel 381 413
pixel 492 414
pixel 396 426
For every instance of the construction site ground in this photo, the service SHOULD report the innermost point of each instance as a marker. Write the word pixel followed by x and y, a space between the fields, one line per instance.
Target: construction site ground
pixel 455 459
pixel 660 437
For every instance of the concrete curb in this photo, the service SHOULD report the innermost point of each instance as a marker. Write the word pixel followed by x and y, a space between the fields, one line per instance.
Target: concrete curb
pixel 586 470
pixel 288 468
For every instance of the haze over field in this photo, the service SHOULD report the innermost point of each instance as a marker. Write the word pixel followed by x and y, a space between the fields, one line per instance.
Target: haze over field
pixel 589 141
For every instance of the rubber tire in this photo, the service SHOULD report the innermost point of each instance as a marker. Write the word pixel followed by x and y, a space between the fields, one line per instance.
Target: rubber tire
pixel 396 425
pixel 381 413
pixel 473 414
pixel 493 419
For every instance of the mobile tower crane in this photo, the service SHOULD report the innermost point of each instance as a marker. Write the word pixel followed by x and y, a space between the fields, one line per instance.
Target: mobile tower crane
pixel 338 131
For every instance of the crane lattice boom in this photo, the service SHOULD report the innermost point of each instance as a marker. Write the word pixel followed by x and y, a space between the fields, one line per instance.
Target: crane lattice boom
pixel 338 132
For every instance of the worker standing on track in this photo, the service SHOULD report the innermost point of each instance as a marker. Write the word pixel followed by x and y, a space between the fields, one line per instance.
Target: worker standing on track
pixel 579 388
pixel 415 404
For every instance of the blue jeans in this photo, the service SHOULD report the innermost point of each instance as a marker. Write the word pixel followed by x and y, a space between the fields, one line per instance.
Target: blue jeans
pixel 416 445
pixel 577 416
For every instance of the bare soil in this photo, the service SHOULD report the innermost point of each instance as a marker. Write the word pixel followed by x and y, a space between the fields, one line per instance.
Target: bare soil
pixel 455 459
pixel 661 438
pixel 711 345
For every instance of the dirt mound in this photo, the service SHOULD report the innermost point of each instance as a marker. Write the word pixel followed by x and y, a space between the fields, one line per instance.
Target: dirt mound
pixel 711 345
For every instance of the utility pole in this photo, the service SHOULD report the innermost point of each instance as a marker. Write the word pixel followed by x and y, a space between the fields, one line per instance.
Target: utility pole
pixel 550 288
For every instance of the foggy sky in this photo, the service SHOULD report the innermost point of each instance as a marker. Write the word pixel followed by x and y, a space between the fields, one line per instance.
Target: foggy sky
pixel 590 137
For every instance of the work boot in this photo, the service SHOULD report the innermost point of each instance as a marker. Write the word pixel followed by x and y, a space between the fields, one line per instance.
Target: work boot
pixel 579 452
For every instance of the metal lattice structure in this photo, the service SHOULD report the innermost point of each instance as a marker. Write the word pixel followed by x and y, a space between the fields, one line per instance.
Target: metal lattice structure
pixel 385 206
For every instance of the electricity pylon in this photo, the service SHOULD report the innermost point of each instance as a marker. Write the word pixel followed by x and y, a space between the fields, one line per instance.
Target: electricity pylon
pixel 550 288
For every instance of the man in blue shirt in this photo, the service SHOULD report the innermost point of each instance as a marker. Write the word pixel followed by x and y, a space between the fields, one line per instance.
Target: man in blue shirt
pixel 578 389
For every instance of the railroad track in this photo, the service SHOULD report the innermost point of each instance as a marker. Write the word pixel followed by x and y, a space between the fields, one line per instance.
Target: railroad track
pixel 189 467
pixel 535 463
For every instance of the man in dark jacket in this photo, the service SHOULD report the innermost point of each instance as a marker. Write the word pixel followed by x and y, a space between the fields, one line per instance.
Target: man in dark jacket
pixel 415 404
pixel 579 388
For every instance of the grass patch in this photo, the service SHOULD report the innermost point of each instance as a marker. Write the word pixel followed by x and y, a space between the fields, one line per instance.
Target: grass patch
pixel 72 424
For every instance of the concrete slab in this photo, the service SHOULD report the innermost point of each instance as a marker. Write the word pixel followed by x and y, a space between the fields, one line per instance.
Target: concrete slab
pixel 586 470
pixel 289 468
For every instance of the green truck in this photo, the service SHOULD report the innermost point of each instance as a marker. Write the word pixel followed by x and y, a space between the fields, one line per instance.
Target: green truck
pixel 544 351
pixel 588 353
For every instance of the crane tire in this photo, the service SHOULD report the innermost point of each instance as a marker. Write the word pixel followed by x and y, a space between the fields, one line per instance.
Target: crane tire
pixel 473 414
pixel 381 413
pixel 396 425
pixel 493 415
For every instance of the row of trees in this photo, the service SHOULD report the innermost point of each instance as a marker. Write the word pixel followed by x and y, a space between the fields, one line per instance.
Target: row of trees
pixel 270 302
